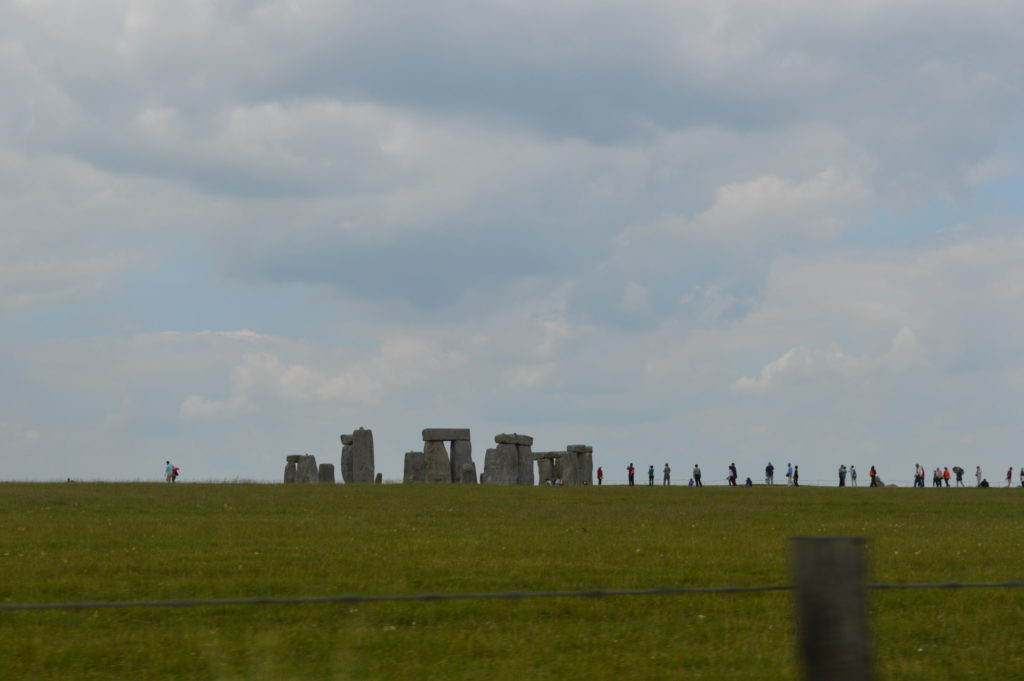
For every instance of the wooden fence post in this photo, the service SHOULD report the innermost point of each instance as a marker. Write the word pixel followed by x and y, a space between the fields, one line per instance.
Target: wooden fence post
pixel 832 608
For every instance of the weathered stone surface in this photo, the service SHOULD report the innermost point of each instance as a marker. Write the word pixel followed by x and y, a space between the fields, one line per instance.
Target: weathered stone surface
pixel 513 439
pixel 289 471
pixel 525 473
pixel 325 473
pixel 306 469
pixel 415 468
pixel 346 439
pixel 362 455
pixel 346 464
pixel 545 471
pixel 462 453
pixel 483 478
pixel 379 480
pixel 445 434
pixel 435 457
pixel 585 474
pixel 501 465
pixel 570 468
pixel 293 458
pixel 580 449
pixel 468 475
pixel 556 468
pixel 537 456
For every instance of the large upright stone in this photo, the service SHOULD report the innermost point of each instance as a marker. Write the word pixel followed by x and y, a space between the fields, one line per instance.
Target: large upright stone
pixel 435 458
pixel 445 434
pixel 585 474
pixel 468 473
pixel 545 471
pixel 289 470
pixel 462 453
pixel 501 465
pixel 415 468
pixel 346 459
pixel 325 473
pixel 306 470
pixel 362 455
pixel 513 439
pixel 570 468
pixel 580 449
pixel 525 466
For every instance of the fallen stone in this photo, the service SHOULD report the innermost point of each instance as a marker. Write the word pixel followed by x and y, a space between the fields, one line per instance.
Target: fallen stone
pixel 445 434
pixel 293 458
pixel 346 439
pixel 362 455
pixel 513 439
pixel 525 465
pixel 436 464
pixel 289 471
pixel 415 468
pixel 306 469
pixel 325 473
pixel 462 454
pixel 501 465
pixel 468 476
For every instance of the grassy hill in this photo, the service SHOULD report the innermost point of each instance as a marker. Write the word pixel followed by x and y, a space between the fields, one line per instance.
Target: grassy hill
pixel 116 542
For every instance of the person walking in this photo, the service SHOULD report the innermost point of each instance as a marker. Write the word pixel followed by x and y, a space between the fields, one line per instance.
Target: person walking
pixel 631 471
pixel 796 476
pixel 945 475
pixel 650 476
pixel 169 473
pixel 666 476
pixel 732 474
pixel 959 475
pixel 872 474
pixel 696 475
pixel 842 475
pixel 977 474
pixel 853 475
pixel 769 474
pixel 600 476
pixel 789 474
pixel 1009 475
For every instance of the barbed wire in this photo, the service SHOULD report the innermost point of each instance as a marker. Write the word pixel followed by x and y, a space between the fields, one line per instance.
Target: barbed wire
pixel 504 595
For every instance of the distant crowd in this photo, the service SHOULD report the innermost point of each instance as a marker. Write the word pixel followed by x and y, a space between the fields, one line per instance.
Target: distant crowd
pixel 941 476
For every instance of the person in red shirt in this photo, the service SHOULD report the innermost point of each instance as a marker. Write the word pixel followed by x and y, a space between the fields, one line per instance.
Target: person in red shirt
pixel 945 475
pixel 600 475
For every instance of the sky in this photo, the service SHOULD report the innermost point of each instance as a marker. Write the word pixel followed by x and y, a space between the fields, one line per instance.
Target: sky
pixel 680 232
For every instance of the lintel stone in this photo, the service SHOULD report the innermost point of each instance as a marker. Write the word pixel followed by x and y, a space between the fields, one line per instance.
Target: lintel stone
pixel 513 439
pixel 445 434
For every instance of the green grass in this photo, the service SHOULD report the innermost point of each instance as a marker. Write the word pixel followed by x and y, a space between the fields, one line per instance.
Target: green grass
pixel 113 542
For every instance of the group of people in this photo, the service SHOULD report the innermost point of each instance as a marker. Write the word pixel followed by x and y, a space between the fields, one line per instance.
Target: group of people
pixel 941 476
pixel 170 472
pixel 631 472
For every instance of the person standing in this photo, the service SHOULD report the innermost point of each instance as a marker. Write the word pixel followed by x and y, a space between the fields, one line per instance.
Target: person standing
pixel 796 476
pixel 977 474
pixel 1022 476
pixel 872 474
pixel 666 479
pixel 696 475
pixel 600 476
pixel 853 475
pixel 1009 475
pixel 789 474
pixel 650 476
pixel 769 474
pixel 732 474
pixel 945 475
pixel 631 471
pixel 169 473
pixel 959 475
pixel 842 475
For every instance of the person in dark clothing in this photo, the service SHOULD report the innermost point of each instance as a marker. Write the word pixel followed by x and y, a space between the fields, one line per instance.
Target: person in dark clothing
pixel 632 474
pixel 732 474
pixel 696 475
pixel 796 476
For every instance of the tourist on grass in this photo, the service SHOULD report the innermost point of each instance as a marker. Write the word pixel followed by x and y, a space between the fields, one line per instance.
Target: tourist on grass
pixel 1009 475
pixel 977 474
pixel 631 471
pixel 945 475
pixel 769 474
pixel 750 483
pixel 796 476
pixel 690 483
pixel 959 476
pixel 650 476
pixel 842 475
pixel 789 474
pixel 666 475
pixel 1022 476
pixel 918 475
pixel 169 473
pixel 696 475
pixel 872 474
pixel 853 475
pixel 732 474
pixel 600 475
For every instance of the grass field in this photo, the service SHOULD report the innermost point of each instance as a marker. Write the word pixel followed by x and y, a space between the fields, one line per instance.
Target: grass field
pixel 115 542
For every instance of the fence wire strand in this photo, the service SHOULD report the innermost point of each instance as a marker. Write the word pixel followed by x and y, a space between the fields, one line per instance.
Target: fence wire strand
pixel 505 595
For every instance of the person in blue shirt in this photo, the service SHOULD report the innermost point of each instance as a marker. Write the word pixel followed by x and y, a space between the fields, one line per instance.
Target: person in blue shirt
pixel 169 473
pixel 650 476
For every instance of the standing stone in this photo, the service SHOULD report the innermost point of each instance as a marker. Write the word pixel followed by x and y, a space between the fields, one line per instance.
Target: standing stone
pixel 289 471
pixel 346 459
pixel 326 473
pixel 501 465
pixel 445 434
pixel 415 468
pixel 379 480
pixel 556 468
pixel 435 458
pixel 468 473
pixel 306 470
pixel 585 474
pixel 570 468
pixel 462 453
pixel 362 455
pixel 545 471
pixel 525 474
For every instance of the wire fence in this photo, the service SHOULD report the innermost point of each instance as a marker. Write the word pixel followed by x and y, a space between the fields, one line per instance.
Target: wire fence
pixel 503 595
